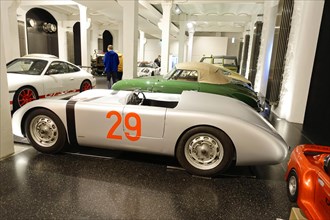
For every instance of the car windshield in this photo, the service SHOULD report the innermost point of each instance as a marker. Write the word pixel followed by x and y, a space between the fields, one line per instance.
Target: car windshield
pixel 26 66
pixel 226 61
pixel 169 74
pixel 150 65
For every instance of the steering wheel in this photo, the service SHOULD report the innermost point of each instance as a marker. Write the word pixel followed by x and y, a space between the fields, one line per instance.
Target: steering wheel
pixel 134 98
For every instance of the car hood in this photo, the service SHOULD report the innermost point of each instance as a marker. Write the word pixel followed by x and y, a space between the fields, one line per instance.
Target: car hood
pixel 17 80
pixel 143 82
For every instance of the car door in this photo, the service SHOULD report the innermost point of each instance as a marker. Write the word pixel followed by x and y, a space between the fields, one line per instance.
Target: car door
pixel 143 127
pixel 53 80
pixel 179 81
pixel 322 194
pixel 73 78
pixel 131 127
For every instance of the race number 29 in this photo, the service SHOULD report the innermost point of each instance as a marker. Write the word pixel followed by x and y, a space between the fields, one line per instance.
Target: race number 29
pixel 135 128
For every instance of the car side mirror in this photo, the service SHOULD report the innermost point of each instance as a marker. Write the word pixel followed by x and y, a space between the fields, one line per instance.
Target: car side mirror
pixel 52 71
pixel 327 164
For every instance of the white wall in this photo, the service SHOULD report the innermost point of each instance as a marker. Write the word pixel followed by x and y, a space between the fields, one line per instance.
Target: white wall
pixel 232 48
pixel 208 46
pixel 152 48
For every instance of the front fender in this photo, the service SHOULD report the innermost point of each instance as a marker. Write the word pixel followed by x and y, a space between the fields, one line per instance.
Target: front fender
pixel 19 117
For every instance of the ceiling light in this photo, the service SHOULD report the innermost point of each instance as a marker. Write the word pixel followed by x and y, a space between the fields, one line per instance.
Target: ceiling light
pixel 31 22
pixel 190 25
pixel 177 10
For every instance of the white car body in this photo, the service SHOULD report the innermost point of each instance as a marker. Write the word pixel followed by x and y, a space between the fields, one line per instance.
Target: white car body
pixel 46 85
pixel 85 120
pixel 148 69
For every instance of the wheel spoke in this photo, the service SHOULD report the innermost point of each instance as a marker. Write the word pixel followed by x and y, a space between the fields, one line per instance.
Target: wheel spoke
pixel 25 96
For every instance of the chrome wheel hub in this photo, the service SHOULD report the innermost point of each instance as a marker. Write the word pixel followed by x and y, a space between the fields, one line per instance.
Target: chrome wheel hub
pixel 44 131
pixel 292 185
pixel 204 151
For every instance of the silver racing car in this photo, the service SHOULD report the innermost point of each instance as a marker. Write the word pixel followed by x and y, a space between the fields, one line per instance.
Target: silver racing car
pixel 205 132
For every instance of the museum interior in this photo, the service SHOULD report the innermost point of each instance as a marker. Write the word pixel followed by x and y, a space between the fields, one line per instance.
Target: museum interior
pixel 227 99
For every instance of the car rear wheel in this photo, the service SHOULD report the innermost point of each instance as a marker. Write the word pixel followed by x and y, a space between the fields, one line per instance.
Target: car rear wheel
pixel 292 186
pixel 205 151
pixel 45 131
pixel 23 96
pixel 85 85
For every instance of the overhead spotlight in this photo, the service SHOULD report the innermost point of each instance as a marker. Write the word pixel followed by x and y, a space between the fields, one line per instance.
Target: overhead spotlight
pixel 177 10
pixel 49 28
pixel 190 25
pixel 31 22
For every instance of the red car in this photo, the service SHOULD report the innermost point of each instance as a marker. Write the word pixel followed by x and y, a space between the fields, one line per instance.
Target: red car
pixel 308 180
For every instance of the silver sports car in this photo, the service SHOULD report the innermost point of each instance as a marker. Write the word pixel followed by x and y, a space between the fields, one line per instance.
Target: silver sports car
pixel 205 132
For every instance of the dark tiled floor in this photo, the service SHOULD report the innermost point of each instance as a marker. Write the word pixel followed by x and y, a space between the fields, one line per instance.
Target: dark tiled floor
pixel 99 184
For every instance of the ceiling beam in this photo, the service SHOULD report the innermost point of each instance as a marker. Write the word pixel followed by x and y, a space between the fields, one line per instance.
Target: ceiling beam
pixel 225 28
pixel 217 18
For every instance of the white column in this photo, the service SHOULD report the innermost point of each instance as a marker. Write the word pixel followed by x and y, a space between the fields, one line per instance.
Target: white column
pixel 130 36
pixel 143 41
pixel 6 134
pixel 266 47
pixel 165 26
pixel 10 29
pixel 94 37
pixel 190 44
pixel 182 37
pixel 305 28
pixel 120 37
pixel 85 56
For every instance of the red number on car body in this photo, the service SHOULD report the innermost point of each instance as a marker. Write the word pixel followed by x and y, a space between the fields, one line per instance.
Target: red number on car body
pixel 136 128
pixel 115 126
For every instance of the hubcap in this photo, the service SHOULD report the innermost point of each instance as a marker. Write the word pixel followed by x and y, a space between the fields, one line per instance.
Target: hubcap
pixel 44 131
pixel 86 86
pixel 292 185
pixel 204 151
pixel 25 96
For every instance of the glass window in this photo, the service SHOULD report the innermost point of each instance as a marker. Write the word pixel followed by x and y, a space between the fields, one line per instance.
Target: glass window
pixel 26 66
pixel 217 60
pixel 73 68
pixel 207 60
pixel 186 75
pixel 57 67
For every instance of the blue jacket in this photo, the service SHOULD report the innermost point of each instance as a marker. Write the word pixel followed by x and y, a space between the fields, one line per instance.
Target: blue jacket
pixel 111 61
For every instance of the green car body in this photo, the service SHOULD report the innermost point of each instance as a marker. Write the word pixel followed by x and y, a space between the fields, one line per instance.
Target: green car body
pixel 202 81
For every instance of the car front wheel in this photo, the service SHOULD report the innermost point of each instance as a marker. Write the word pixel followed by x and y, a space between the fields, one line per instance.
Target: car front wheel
pixel 23 96
pixel 85 85
pixel 292 186
pixel 205 151
pixel 45 131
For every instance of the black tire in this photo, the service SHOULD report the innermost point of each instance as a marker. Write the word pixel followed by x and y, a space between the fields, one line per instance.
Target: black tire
pixel 45 131
pixel 23 96
pixel 292 185
pixel 213 151
pixel 85 85
pixel 152 73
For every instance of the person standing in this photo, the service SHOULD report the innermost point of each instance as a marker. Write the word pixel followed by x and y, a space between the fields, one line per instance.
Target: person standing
pixel 111 62
pixel 158 61
pixel 120 66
